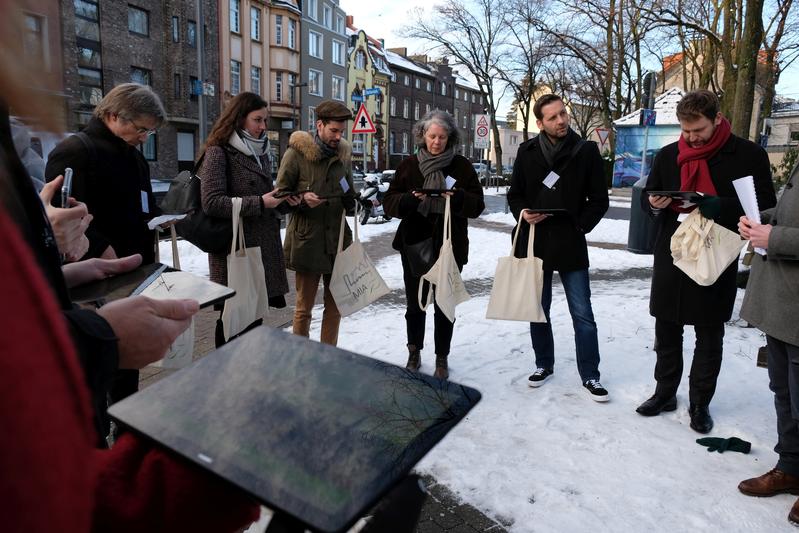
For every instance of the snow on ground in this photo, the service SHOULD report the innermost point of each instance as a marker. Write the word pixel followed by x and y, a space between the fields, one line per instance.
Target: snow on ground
pixel 551 459
pixel 608 230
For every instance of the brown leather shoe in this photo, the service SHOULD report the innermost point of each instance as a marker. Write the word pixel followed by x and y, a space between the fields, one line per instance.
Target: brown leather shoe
pixel 442 369
pixel 772 482
pixel 793 516
pixel 414 358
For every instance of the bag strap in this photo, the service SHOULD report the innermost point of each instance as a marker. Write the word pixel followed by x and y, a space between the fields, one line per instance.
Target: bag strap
pixel 530 239
pixel 423 305
pixel 238 227
pixel 447 220
pixel 343 224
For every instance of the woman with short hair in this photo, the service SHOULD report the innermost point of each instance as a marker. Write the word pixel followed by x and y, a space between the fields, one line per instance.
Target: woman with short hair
pixel 436 136
pixel 235 164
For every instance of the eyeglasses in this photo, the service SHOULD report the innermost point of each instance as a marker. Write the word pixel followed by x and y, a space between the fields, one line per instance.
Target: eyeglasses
pixel 140 130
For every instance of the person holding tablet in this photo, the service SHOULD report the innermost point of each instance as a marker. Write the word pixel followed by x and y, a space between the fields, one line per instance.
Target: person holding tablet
pixel 417 196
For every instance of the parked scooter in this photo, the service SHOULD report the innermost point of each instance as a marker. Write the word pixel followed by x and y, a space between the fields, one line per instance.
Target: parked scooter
pixel 371 197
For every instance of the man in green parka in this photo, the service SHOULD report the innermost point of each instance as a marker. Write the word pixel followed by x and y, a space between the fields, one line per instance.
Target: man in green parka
pixel 318 167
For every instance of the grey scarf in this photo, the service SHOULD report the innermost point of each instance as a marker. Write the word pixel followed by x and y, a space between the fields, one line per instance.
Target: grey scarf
pixel 550 150
pixel 431 167
pixel 327 152
pixel 249 145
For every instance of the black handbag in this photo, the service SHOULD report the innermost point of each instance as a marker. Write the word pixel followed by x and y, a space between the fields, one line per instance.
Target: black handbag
pixel 210 234
pixel 421 256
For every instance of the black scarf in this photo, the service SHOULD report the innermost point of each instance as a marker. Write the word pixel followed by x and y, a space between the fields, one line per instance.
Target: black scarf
pixel 327 152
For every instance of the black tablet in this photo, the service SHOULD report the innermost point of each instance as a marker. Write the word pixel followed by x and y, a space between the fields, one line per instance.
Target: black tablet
pixel 433 192
pixel 308 429
pixel 154 280
pixel 282 194
pixel 686 196
pixel 549 211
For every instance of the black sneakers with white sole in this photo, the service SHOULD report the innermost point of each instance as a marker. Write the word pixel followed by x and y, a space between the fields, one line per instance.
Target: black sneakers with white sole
pixel 539 377
pixel 596 390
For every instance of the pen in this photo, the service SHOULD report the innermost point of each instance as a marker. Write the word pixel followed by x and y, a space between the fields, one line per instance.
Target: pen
pixel 66 188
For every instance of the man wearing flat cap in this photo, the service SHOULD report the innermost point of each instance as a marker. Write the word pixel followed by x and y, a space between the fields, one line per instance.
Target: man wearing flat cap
pixel 318 165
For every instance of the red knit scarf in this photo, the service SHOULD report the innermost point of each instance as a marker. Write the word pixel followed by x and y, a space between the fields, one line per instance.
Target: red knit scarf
pixel 694 172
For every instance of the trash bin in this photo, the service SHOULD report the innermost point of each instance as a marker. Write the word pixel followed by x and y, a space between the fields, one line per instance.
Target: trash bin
pixel 641 236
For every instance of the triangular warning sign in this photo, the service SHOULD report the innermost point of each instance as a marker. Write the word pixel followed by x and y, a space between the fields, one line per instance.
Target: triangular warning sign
pixel 482 121
pixel 362 122
pixel 603 134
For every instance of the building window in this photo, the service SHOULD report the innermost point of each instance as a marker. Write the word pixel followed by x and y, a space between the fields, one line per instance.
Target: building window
pixel 292 34
pixel 315 82
pixel 406 104
pixel 138 21
pixel 279 86
pixel 311 118
pixel 255 80
pixel 338 52
pixel 416 108
pixel 457 93
pixel 87 18
pixel 88 57
pixel 474 98
pixel 427 108
pixel 90 85
pixel 340 24
pixel 175 29
pixel 391 140
pixel 313 9
pixel 360 60
pixel 465 122
pixel 148 148
pixel 393 106
pixel 235 27
pixel 33 43
pixel 235 77
pixel 293 87
pixel 176 93
pixel 191 33
pixel 255 24
pixel 429 86
pixel 417 83
pixel 357 143
pixel 141 75
pixel 404 142
pixel 443 89
pixel 278 30
pixel 407 80
pixel 327 17
pixel 315 44
pixel 379 104
pixel 337 89
pixel 514 140
pixel 794 136
pixel 193 82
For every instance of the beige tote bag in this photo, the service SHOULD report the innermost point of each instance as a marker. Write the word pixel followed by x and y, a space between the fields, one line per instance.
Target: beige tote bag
pixel 447 288
pixel 518 282
pixel 355 282
pixel 245 275
pixel 703 249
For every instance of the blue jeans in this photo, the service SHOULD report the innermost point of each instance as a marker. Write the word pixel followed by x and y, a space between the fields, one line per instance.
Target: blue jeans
pixel 578 295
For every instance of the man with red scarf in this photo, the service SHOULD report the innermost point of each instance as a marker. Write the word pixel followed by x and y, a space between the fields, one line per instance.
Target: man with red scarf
pixel 707 158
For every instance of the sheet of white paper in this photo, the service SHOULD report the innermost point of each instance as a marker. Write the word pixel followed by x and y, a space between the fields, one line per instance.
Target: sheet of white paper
pixel 745 188
pixel 551 179
pixel 157 221
pixel 449 182
pixel 682 216
pixel 145 202
pixel 344 185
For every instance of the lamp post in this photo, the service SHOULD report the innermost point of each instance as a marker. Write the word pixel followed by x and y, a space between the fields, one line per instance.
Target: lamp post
pixel 294 102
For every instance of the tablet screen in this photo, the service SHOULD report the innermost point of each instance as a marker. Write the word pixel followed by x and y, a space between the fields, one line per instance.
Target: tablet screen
pixel 317 432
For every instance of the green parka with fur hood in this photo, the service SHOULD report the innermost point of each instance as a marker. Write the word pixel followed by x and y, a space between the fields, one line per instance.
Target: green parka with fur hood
pixel 312 234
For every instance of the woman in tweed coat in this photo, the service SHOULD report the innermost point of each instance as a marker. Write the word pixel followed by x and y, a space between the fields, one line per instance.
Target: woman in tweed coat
pixel 236 164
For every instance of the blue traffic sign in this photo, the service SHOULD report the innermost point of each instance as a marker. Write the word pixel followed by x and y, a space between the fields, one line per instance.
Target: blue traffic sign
pixel 372 92
pixel 649 117
pixel 357 98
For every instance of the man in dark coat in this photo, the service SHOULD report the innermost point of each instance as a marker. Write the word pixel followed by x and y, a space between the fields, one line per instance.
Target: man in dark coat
pixel 706 159
pixel 113 179
pixel 558 170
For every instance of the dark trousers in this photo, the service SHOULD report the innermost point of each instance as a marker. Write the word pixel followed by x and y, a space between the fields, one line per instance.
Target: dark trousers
pixel 783 373
pixel 415 317
pixel 705 366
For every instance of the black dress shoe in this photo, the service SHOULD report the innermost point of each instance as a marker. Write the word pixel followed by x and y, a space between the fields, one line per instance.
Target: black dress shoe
pixel 701 420
pixel 654 405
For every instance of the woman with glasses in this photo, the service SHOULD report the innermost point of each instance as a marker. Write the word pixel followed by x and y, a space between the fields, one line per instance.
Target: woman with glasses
pixel 111 176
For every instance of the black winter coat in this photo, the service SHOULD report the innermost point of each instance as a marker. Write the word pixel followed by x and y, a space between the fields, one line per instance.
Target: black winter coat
pixel 676 297
pixel 110 182
pixel 581 190
pixel 401 203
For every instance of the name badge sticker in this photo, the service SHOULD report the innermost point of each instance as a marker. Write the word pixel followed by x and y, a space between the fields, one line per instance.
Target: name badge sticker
pixel 449 182
pixel 344 185
pixel 551 179
pixel 145 202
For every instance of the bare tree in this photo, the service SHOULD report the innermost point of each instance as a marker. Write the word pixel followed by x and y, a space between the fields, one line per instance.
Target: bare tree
pixel 781 48
pixel 472 33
